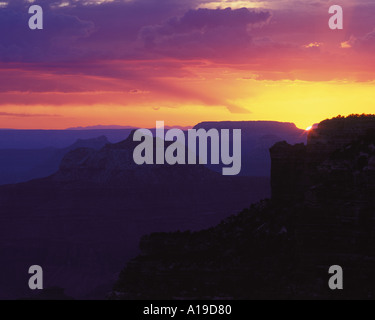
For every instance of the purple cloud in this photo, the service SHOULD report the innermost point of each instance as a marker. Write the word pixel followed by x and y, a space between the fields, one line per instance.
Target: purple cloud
pixel 98 41
pixel 204 32
pixel 204 19
pixel 56 41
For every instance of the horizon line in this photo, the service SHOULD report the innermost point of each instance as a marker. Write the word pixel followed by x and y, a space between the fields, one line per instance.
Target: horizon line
pixel 129 127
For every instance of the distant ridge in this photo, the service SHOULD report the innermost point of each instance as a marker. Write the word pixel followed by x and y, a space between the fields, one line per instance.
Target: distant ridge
pixel 257 138
pixel 248 124
pixel 101 127
pixel 115 127
pixel 23 165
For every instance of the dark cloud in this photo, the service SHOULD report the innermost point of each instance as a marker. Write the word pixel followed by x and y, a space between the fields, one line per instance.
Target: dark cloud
pixel 204 33
pixel 81 30
pixel 206 19
pixel 54 42
pixel 111 30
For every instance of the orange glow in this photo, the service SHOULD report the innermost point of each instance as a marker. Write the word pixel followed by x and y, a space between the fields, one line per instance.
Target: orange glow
pixel 230 97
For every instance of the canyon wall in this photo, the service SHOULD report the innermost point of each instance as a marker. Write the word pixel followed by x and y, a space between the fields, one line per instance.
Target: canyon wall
pixel 333 180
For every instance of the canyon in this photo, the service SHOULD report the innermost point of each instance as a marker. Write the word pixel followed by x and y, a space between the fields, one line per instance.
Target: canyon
pixel 321 214
pixel 81 223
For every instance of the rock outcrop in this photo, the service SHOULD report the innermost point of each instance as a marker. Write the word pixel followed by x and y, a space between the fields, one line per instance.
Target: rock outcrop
pixel 296 169
pixel 257 138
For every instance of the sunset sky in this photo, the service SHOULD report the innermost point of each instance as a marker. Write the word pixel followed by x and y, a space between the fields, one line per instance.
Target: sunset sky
pixel 132 62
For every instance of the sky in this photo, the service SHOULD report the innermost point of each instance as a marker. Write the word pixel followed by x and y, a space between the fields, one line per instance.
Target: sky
pixel 135 62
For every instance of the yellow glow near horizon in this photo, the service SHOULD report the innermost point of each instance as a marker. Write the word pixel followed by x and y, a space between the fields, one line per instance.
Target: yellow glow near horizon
pixel 301 102
pixel 306 103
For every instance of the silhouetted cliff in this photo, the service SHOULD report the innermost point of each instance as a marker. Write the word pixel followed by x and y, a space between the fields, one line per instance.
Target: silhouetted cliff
pixel 299 168
pixel 322 214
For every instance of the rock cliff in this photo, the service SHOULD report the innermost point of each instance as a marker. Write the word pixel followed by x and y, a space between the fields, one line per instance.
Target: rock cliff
pixel 322 213
pixel 296 169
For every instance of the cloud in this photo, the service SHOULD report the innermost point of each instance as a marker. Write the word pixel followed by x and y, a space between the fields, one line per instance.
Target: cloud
pixel 365 43
pixel 54 42
pixel 101 51
pixel 82 30
pixel 204 19
pixel 25 115
pixel 204 33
